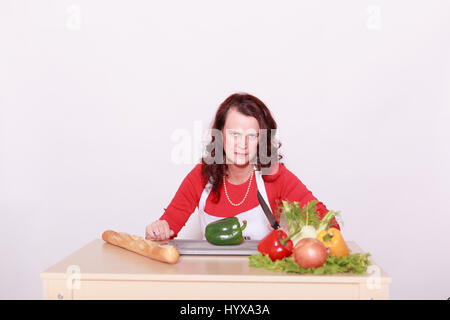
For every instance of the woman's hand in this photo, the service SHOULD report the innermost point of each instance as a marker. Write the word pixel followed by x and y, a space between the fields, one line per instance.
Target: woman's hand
pixel 284 228
pixel 158 230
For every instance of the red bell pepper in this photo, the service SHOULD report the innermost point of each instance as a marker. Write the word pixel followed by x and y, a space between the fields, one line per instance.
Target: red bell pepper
pixel 276 245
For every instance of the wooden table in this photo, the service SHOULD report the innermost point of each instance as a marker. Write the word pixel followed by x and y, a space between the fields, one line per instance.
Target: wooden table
pixel 100 270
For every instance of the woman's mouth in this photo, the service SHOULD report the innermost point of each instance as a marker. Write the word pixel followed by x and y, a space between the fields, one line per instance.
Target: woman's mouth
pixel 240 154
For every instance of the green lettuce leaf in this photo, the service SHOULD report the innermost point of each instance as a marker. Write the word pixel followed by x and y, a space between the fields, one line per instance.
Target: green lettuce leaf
pixel 356 263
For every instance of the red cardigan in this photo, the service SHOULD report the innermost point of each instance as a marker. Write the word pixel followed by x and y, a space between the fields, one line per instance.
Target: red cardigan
pixel 282 185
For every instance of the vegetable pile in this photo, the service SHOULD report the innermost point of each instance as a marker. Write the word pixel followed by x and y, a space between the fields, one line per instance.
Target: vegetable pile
pixel 356 262
pixel 305 222
pixel 312 245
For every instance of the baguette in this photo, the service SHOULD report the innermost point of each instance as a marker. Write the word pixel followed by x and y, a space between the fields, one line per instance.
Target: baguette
pixel 153 250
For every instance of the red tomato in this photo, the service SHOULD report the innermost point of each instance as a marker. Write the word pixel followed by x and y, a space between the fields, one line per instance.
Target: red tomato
pixel 310 253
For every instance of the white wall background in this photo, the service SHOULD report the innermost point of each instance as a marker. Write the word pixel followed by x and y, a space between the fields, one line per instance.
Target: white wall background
pixel 91 93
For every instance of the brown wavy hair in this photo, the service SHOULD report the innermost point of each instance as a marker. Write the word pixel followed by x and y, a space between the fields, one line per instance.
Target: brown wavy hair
pixel 248 105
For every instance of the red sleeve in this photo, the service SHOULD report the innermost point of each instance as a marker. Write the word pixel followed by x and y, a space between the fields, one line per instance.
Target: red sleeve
pixel 185 201
pixel 292 189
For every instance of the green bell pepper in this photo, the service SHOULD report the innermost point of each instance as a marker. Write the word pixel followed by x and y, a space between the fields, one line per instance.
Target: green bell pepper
pixel 225 231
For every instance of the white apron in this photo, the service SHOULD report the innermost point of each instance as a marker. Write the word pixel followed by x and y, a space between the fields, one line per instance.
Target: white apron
pixel 257 223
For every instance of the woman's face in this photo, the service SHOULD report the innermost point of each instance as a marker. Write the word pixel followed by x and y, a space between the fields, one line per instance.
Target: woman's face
pixel 240 138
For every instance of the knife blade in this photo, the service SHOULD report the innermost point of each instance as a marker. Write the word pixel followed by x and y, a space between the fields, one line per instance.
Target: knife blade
pixel 268 212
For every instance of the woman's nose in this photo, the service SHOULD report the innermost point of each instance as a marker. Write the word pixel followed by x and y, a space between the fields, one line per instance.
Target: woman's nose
pixel 242 142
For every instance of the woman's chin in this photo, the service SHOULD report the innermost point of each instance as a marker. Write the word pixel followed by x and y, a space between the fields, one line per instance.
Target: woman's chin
pixel 238 162
pixel 243 162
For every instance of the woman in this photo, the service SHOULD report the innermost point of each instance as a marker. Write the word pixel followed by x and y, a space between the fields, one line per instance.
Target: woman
pixel 225 184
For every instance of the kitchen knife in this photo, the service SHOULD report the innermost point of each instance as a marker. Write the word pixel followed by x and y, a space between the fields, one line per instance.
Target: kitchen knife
pixel 268 212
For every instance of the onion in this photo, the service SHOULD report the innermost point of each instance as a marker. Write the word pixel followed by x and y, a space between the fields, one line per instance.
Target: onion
pixel 310 253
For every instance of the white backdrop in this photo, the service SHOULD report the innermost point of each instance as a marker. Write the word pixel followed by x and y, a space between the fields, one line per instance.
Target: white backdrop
pixel 93 95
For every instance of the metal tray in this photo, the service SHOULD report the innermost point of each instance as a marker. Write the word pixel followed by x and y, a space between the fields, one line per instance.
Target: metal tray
pixel 203 247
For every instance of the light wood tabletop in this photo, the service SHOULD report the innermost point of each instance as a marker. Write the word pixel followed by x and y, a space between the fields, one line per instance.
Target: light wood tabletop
pixel 100 270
